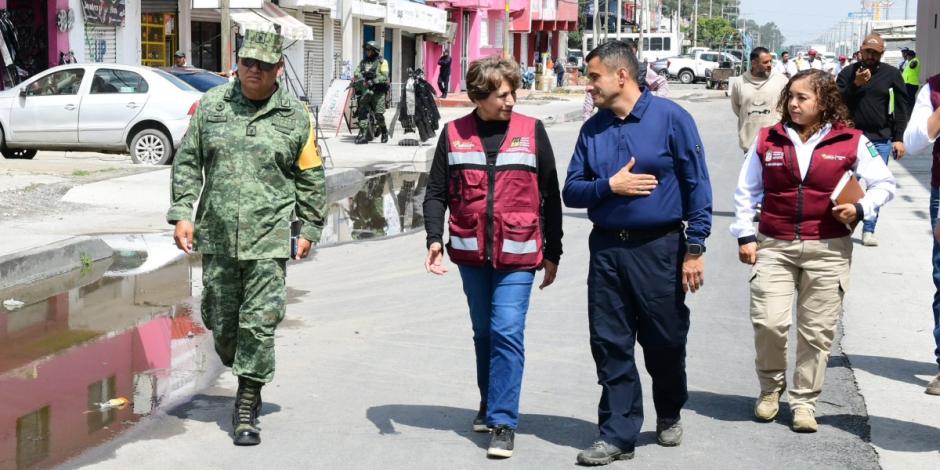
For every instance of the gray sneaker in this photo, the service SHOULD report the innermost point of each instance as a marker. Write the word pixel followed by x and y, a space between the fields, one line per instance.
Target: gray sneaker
pixel 933 388
pixel 668 432
pixel 602 453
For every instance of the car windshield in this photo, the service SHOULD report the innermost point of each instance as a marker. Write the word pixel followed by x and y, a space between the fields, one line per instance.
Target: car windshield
pixel 175 81
pixel 202 81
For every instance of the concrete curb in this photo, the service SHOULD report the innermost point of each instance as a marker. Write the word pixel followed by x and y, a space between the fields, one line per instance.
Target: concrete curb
pixel 51 260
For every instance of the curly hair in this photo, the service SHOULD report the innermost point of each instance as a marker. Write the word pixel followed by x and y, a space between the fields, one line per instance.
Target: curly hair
pixel 828 99
pixel 484 76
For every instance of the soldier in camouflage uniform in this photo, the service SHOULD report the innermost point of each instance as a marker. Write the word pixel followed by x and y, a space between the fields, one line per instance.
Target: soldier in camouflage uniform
pixel 250 158
pixel 370 81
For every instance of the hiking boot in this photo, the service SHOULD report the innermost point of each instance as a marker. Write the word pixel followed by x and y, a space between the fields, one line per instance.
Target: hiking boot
pixel 383 131
pixel 868 239
pixel 804 420
pixel 668 432
pixel 602 453
pixel 768 405
pixel 245 431
pixel 933 388
pixel 479 423
pixel 501 442
pixel 362 138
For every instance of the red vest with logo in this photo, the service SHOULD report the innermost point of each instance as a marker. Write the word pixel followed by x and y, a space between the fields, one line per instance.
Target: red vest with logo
pixel 934 83
pixel 494 207
pixel 796 208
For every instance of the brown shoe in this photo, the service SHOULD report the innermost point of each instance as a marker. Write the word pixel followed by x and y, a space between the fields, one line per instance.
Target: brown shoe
pixel 768 405
pixel 804 420
pixel 933 388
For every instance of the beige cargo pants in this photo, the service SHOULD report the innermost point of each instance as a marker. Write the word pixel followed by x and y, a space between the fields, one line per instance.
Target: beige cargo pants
pixel 817 272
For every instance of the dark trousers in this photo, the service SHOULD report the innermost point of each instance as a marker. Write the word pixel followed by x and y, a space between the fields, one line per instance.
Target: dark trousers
pixel 442 82
pixel 934 216
pixel 911 96
pixel 635 294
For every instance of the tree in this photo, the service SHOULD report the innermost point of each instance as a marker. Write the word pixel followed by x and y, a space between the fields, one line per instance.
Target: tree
pixel 715 31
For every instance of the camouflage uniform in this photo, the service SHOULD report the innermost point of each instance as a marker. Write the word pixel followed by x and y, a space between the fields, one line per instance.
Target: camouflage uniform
pixel 261 168
pixel 371 84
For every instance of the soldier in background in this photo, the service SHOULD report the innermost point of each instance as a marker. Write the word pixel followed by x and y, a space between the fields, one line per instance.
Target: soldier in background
pixel 371 83
pixel 250 158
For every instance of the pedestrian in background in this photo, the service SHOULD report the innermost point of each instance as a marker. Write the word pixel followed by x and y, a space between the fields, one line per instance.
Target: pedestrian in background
pixel 877 102
pixel 639 169
pixel 443 77
pixel 921 134
pixel 910 71
pixel 560 72
pixel 754 97
pixel 251 177
pixel 179 59
pixel 802 245
pixel 786 66
pixel 495 171
pixel 810 62
pixel 839 65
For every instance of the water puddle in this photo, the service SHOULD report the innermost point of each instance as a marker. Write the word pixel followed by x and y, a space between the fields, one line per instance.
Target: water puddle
pixel 89 353
pixel 385 203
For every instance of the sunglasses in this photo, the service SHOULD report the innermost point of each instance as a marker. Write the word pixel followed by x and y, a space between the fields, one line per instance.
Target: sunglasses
pixel 249 63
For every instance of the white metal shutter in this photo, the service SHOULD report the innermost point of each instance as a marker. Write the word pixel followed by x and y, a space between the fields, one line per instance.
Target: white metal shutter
pixel 158 6
pixel 313 58
pixel 100 43
pixel 337 49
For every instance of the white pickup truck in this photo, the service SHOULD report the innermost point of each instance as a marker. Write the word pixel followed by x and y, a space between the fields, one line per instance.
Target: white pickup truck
pixel 690 69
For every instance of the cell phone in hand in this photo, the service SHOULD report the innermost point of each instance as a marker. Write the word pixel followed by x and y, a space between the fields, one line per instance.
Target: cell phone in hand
pixel 295 238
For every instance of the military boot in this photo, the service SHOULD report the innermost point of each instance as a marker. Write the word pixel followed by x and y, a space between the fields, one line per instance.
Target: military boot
pixel 384 132
pixel 362 137
pixel 245 431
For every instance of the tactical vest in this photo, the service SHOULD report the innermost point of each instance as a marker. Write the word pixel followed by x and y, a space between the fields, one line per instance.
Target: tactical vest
pixel 494 206
pixel 911 72
pixel 934 84
pixel 796 208
pixel 373 67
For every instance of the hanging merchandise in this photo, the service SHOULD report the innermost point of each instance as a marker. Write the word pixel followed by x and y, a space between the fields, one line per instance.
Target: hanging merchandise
pixel 32 36
pixel 8 48
pixel 417 109
pixel 65 18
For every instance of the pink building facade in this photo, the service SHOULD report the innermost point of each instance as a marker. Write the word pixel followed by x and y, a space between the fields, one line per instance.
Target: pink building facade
pixel 535 25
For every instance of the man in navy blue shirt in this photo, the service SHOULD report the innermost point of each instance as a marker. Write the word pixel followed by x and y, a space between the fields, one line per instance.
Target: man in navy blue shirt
pixel 639 169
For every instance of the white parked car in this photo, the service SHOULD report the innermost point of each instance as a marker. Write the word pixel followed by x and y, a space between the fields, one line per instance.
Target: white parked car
pixel 97 107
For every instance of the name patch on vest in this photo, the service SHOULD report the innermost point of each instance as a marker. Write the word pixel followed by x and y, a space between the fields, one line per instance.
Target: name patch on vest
pixel 827 156
pixel 771 156
pixel 462 144
pixel 519 142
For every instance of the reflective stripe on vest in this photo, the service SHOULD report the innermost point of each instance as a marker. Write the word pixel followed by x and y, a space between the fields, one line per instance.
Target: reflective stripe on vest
pixel 465 244
pixel 466 158
pixel 506 159
pixel 519 248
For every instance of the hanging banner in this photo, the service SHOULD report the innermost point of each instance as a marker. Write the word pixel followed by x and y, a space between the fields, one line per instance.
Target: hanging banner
pixel 104 12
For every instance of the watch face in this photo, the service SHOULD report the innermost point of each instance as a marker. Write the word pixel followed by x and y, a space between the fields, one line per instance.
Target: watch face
pixel 694 249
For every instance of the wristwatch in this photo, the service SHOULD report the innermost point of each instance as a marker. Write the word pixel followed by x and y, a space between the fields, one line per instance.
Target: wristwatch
pixel 695 249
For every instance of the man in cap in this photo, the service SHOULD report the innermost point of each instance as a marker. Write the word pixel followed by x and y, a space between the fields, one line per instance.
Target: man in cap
pixel 250 159
pixel 371 83
pixel 179 59
pixel 811 61
pixel 910 72
pixel 877 100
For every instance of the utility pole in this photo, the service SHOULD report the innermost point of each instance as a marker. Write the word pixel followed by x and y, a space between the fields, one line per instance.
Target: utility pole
pixel 619 17
pixel 695 31
pixel 226 37
pixel 709 8
pixel 597 32
pixel 639 42
pixel 506 25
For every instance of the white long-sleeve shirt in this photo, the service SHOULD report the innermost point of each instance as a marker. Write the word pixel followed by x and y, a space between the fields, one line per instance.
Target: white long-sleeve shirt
pixel 916 139
pixel 787 68
pixel 750 191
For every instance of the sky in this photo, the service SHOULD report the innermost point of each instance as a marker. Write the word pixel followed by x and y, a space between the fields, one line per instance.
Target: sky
pixel 801 21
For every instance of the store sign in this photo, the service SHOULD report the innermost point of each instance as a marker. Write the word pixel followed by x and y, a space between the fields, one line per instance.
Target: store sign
pixel 231 3
pixel 104 12
pixel 415 17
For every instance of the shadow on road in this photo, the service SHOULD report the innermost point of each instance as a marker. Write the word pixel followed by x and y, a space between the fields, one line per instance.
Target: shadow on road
pixel 216 409
pixel 901 370
pixel 558 430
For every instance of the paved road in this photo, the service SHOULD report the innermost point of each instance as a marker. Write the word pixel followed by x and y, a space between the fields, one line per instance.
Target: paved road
pixel 376 368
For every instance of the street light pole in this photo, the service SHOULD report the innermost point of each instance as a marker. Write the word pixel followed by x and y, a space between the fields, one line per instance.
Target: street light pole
pixel 506 33
pixel 226 37
pixel 695 25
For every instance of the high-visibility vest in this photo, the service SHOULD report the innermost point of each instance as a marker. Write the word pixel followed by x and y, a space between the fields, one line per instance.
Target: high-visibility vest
pixel 911 72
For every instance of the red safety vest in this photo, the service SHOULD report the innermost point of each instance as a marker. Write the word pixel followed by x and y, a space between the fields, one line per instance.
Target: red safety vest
pixel 934 83
pixel 494 206
pixel 797 208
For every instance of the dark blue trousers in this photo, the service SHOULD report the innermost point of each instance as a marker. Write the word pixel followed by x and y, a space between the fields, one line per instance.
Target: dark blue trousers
pixel 635 294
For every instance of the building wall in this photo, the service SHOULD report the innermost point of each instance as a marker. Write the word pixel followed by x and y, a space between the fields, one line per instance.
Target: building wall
pixel 928 38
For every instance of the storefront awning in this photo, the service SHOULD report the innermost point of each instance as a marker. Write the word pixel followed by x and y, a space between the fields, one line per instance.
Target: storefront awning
pixel 271 18
pixel 415 17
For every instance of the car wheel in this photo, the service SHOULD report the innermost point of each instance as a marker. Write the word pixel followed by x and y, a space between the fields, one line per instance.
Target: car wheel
pixel 151 147
pixel 25 154
pixel 686 77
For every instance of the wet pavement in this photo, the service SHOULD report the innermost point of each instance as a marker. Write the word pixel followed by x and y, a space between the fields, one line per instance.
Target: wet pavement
pixel 89 353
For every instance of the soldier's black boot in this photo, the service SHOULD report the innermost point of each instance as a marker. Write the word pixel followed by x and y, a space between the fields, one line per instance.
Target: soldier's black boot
pixel 361 138
pixel 384 131
pixel 245 431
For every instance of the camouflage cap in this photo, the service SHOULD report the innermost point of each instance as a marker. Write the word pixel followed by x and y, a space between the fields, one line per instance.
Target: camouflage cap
pixel 261 45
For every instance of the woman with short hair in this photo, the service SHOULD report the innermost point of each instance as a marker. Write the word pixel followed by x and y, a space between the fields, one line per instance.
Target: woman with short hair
pixel 495 171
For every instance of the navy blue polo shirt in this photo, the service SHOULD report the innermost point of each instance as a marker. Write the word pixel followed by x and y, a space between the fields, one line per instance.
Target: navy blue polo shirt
pixel 665 142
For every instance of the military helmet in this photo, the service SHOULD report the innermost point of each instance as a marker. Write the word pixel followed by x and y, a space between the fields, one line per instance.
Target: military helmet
pixel 371 45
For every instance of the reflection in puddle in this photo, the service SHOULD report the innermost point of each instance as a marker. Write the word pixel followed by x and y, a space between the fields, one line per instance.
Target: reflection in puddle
pixel 385 204
pixel 126 328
